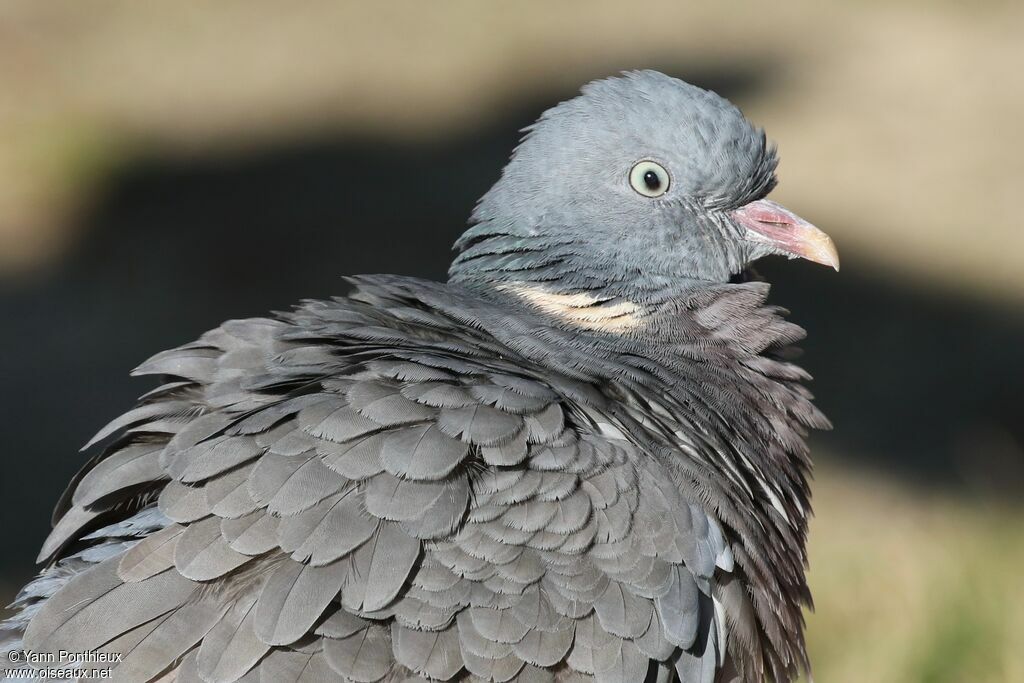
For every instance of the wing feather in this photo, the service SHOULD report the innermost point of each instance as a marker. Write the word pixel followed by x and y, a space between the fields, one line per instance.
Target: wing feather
pixel 294 599
pixel 151 555
pixel 231 648
pixel 382 565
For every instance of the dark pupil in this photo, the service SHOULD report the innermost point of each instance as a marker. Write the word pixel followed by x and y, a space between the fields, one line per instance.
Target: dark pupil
pixel 651 180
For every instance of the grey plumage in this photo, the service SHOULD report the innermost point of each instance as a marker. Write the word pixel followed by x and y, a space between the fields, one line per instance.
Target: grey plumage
pixel 365 656
pixel 132 466
pixel 433 654
pixel 544 648
pixel 231 648
pixel 252 534
pixel 581 459
pixel 164 642
pixel 678 609
pixel 111 608
pixel 288 666
pixel 293 599
pixel 202 553
pixel 151 555
pixel 421 452
pixel 332 529
pixel 379 568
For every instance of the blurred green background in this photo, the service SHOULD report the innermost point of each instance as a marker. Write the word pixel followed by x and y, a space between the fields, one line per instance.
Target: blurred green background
pixel 167 165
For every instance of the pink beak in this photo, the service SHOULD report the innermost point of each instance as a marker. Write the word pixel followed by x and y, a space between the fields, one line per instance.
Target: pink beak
pixel 767 221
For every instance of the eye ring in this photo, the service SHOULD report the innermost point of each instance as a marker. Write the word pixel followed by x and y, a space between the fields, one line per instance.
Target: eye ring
pixel 649 178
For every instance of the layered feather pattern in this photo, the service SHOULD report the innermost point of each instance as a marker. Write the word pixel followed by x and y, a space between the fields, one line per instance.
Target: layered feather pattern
pixel 369 489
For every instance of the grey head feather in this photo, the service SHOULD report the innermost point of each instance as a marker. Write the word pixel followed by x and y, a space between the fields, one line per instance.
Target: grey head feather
pixel 564 211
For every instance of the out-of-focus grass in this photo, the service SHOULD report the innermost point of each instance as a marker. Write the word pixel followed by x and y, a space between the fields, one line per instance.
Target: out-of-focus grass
pixel 913 585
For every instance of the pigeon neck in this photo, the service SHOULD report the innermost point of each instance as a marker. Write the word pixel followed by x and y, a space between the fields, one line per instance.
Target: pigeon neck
pixel 609 309
pixel 566 287
pixel 585 310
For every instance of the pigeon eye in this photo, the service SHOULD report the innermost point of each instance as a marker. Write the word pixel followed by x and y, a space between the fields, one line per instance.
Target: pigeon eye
pixel 649 179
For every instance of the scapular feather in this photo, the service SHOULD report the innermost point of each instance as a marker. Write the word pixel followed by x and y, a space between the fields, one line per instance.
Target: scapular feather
pixel 163 645
pixel 97 606
pixel 151 555
pixel 327 531
pixel 364 656
pixel 231 648
pixel 294 598
pixel 381 566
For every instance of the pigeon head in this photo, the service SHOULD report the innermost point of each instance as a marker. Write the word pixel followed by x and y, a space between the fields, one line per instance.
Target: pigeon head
pixel 640 185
